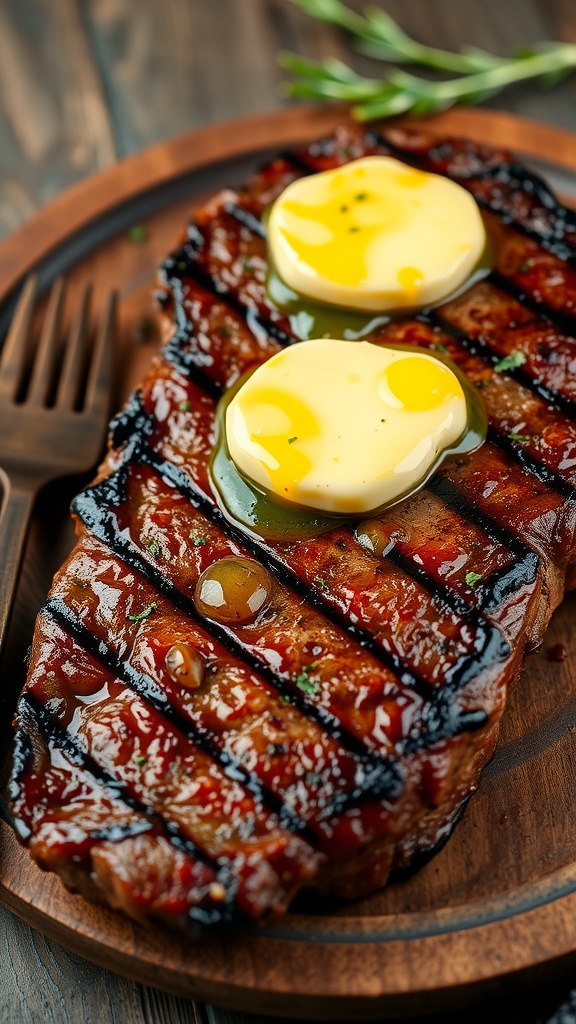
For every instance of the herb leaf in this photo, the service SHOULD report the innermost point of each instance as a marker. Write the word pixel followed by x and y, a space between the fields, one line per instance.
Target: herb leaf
pixel 475 74
pixel 138 234
pixel 144 613
pixel 472 578
pixel 303 681
pixel 510 362
pixel 153 547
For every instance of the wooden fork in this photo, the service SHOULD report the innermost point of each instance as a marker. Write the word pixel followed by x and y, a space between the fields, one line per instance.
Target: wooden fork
pixel 54 408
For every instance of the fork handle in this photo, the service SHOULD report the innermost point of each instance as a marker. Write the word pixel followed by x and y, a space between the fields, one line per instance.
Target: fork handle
pixel 15 512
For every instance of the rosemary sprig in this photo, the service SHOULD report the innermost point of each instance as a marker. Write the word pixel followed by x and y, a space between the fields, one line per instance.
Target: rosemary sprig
pixel 479 74
pixel 378 35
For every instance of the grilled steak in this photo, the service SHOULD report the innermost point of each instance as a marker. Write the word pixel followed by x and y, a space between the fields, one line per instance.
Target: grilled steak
pixel 201 771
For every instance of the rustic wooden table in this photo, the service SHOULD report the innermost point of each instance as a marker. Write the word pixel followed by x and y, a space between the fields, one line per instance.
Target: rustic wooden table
pixel 84 82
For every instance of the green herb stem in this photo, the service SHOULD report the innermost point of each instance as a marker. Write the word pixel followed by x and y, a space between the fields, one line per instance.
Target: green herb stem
pixel 479 75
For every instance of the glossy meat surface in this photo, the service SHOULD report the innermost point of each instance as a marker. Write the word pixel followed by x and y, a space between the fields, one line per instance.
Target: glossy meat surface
pixel 338 733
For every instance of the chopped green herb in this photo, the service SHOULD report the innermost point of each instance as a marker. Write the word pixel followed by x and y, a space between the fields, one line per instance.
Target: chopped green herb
pixel 353 229
pixel 440 347
pixel 321 582
pixel 303 681
pixel 141 760
pixel 472 578
pixel 524 266
pixel 224 331
pixel 482 384
pixel 153 547
pixel 519 437
pixel 79 582
pixel 181 265
pixel 199 542
pixel 292 439
pixel 510 362
pixel 344 208
pixel 138 234
pixel 348 151
pixel 144 613
pixel 361 196
pixel 184 406
pixel 247 265
pixel 313 778
pixel 286 699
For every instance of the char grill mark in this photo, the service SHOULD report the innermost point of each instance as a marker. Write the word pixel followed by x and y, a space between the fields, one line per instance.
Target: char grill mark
pixel 424 622
pixel 103 523
pixel 492 325
pixel 543 440
pixel 71 815
pixel 124 801
pixel 180 736
pixel 497 182
pixel 251 295
pixel 481 644
pixel 392 774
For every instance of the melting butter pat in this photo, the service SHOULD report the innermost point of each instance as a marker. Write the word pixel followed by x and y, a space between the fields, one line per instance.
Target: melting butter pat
pixel 344 426
pixel 375 234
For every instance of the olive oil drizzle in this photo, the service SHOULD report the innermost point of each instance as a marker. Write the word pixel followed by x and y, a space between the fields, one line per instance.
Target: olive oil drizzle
pixel 265 515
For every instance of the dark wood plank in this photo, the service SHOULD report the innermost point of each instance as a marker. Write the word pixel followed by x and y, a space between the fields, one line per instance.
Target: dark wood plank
pixel 41 981
pixel 54 125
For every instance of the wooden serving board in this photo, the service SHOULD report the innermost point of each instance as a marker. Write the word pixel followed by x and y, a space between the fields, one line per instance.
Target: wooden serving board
pixel 498 904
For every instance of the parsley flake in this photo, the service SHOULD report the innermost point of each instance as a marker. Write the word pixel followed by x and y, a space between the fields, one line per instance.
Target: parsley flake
pixel 321 582
pixel 440 347
pixel 292 439
pixel 524 267
pixel 247 265
pixel 199 542
pixel 138 234
pixel 519 437
pixel 353 229
pixel 184 406
pixel 141 760
pixel 361 196
pixel 153 547
pixel 510 362
pixel 144 613
pixel 472 578
pixel 224 331
pixel 303 681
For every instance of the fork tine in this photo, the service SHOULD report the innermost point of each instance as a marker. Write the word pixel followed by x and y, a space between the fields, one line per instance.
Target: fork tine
pixel 15 350
pixel 47 347
pixel 98 387
pixel 70 377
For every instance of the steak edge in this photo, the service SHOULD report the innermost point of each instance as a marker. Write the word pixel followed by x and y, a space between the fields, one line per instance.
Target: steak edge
pixel 339 735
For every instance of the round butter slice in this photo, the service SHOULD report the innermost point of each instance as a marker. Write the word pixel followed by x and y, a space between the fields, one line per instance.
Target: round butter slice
pixel 375 234
pixel 344 426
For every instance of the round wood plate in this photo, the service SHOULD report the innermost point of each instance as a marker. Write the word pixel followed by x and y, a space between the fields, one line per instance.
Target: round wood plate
pixel 498 903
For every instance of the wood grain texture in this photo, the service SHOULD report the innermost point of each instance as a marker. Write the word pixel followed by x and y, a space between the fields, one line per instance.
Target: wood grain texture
pixel 82 80
pixel 54 125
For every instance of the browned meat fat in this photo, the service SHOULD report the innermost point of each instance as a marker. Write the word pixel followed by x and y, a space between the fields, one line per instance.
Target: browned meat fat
pixel 201 769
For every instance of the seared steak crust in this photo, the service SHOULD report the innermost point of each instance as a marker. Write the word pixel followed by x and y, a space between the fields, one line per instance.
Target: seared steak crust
pixel 217 803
